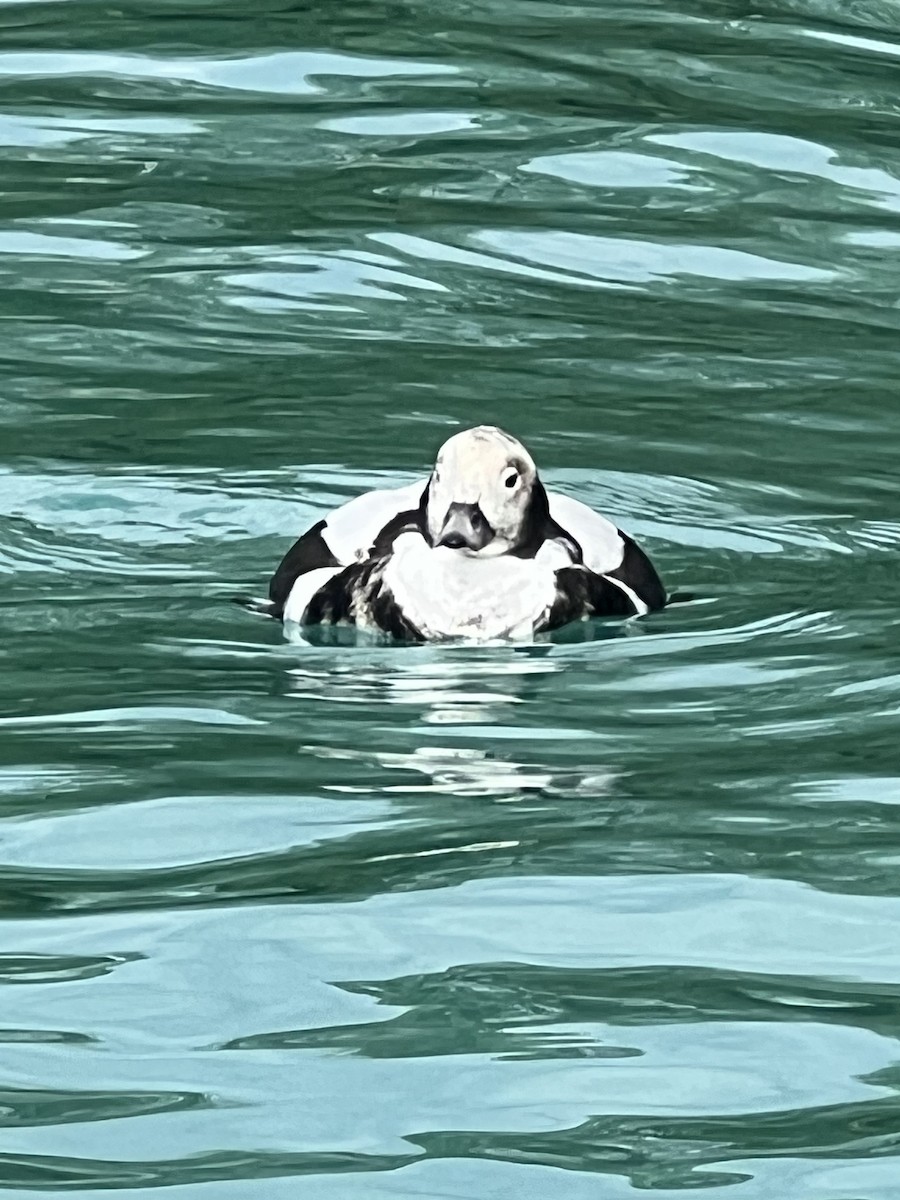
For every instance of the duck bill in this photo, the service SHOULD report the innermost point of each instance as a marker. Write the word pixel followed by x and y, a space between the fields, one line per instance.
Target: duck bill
pixel 465 528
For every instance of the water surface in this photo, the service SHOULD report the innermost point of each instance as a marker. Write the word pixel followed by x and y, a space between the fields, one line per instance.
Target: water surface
pixel 611 915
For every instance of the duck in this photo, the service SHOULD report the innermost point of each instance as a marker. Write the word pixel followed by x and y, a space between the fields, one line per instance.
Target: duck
pixel 479 551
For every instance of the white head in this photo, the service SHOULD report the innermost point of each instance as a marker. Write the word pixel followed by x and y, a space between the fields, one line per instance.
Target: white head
pixel 482 492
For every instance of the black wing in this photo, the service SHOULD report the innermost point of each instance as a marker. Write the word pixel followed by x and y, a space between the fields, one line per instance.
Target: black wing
pixel 312 551
pixel 307 553
pixel 638 572
pixel 581 593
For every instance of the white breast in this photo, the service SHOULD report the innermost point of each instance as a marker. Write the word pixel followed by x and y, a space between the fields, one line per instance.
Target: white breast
pixel 448 595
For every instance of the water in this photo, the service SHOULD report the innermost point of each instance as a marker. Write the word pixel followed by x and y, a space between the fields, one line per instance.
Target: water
pixel 579 921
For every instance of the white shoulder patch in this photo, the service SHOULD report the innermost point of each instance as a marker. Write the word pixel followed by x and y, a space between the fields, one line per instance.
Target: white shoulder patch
pixel 351 529
pixel 601 545
pixel 553 554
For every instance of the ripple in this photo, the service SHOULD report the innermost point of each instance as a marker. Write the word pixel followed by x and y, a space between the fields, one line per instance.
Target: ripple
pixel 64 131
pixel 43 968
pixel 178 831
pixel 780 153
pixel 287 72
pixel 317 276
pixel 402 124
pixel 612 169
pixel 47 246
pixel 624 260
pixel 32 1107
pixel 106 717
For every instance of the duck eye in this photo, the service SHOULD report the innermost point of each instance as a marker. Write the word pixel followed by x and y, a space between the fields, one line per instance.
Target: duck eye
pixel 512 479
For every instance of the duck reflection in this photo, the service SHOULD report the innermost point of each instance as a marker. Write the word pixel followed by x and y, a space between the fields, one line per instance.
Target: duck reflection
pixel 460 703
pixel 456 685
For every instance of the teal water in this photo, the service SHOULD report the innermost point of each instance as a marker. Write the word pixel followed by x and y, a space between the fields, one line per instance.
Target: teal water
pixel 578 922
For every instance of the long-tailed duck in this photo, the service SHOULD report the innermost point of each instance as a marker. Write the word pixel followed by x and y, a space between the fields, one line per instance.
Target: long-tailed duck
pixel 478 551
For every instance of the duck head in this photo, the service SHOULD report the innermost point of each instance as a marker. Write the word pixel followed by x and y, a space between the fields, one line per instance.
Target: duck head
pixel 484 495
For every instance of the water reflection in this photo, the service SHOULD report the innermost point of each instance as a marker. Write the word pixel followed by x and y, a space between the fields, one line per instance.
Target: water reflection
pixel 436 680
pixel 454 687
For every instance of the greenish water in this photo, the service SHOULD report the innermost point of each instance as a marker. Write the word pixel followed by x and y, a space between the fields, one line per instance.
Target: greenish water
pixel 575 922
